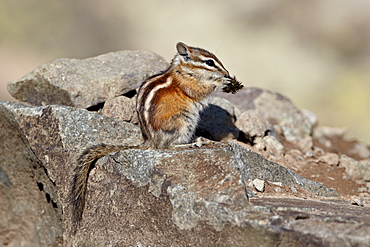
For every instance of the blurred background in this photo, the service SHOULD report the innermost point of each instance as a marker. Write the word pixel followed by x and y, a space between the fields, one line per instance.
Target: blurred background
pixel 317 52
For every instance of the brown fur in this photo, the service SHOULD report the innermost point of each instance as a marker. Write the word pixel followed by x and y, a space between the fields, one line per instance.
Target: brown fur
pixel 84 164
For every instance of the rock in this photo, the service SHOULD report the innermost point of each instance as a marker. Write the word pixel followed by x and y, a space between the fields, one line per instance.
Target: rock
pixel 278 111
pixel 355 200
pixel 354 169
pixel 366 163
pixel 278 190
pixel 253 124
pixel 259 184
pixel 30 212
pixel 225 104
pixel 330 158
pixel 365 198
pixel 362 189
pixel 273 145
pixel 269 144
pixel 298 156
pixel 291 161
pixel 259 144
pixel 326 131
pixel 359 150
pixel 38 145
pixel 312 117
pixel 332 140
pixel 294 190
pixel 121 108
pixel 324 134
pixel 66 131
pixel 201 191
pixel 277 183
pixel 217 120
pixel 152 197
pixel 305 144
pixel 88 82
pixel 181 196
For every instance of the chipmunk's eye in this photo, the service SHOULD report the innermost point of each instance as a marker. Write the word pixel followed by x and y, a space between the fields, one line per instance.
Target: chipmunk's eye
pixel 210 62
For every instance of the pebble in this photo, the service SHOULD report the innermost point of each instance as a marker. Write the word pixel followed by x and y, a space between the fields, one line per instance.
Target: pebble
pixel 277 183
pixel 259 185
pixel 278 189
pixel 355 200
pixel 330 158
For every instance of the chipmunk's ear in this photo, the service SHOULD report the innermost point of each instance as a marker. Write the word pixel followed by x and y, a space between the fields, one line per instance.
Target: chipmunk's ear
pixel 182 49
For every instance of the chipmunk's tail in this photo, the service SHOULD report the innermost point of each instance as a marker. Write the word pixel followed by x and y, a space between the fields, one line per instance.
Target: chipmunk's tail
pixel 84 164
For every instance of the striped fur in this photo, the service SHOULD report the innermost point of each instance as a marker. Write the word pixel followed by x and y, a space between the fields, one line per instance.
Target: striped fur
pixel 169 103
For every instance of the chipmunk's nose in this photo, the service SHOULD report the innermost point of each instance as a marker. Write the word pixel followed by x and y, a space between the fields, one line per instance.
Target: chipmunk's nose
pixel 227 74
pixel 229 78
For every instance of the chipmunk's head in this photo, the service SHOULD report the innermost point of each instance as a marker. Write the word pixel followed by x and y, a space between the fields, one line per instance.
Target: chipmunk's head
pixel 201 65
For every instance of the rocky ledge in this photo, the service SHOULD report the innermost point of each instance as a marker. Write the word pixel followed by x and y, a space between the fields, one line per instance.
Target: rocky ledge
pixel 271 176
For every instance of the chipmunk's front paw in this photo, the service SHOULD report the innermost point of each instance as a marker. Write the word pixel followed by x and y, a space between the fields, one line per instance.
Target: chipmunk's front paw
pixel 199 142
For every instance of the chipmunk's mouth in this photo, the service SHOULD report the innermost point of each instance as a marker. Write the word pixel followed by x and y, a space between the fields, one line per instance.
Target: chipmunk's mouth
pixel 223 80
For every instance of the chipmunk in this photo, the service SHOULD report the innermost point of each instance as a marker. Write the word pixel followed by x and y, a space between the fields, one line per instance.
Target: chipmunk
pixel 168 106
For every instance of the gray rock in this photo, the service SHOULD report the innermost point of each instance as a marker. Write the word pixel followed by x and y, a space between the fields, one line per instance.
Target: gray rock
pixel 305 144
pixel 325 134
pixel 226 105
pixel 217 121
pixel 57 134
pixel 357 201
pixel 88 82
pixel 354 169
pixel 312 117
pixel 360 150
pixel 273 145
pixel 153 197
pixel 326 131
pixel 205 188
pixel 38 145
pixel 121 108
pixel 275 109
pixel 30 211
pixel 268 143
pixel 330 158
pixel 253 124
pixel 259 185
pixel 174 197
